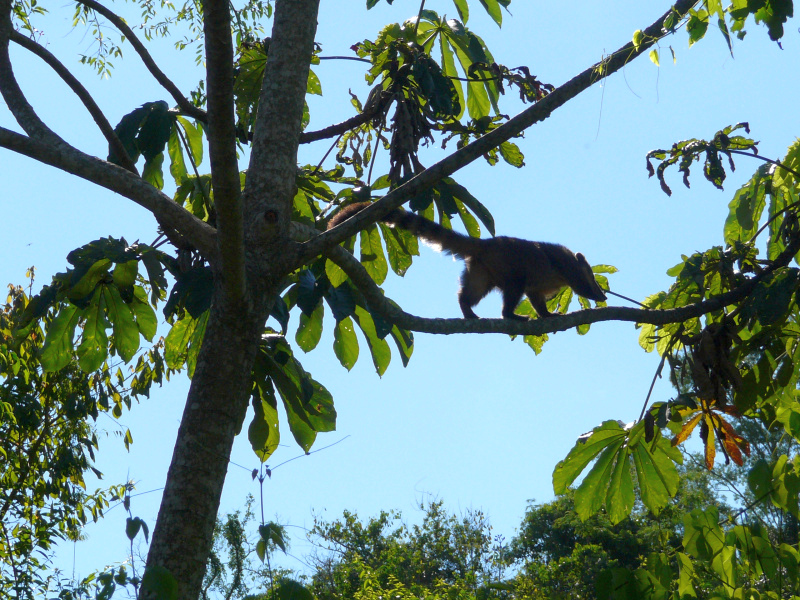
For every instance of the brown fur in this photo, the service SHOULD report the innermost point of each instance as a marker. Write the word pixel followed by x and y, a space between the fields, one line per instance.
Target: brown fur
pixel 537 269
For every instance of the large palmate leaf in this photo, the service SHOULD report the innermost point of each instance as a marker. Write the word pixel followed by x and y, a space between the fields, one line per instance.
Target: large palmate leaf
pixel 616 452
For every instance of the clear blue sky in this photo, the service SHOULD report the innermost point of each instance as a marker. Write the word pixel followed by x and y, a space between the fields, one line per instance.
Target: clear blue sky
pixel 478 421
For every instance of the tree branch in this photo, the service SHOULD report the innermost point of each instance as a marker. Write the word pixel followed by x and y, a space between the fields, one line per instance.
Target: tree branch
pixel 99 118
pixel 183 103
pixel 386 307
pixel 12 94
pixel 222 147
pixel 340 128
pixel 462 157
pixel 117 179
pixel 271 175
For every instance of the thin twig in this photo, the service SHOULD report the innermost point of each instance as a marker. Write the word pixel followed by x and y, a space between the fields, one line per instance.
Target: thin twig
pixel 183 103
pixel 374 154
pixel 625 298
pixel 653 384
pixel 356 58
pixel 333 145
pixel 765 159
pixel 419 18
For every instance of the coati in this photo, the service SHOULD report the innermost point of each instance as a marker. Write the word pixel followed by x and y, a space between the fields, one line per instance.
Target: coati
pixel 537 269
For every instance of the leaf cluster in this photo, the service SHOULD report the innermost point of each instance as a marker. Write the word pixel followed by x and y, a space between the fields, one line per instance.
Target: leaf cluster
pixel 47 445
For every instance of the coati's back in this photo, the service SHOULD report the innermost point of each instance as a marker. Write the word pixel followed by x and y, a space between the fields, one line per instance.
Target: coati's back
pixel 515 266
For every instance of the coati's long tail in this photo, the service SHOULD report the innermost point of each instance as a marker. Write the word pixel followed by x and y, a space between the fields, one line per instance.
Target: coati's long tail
pixel 448 240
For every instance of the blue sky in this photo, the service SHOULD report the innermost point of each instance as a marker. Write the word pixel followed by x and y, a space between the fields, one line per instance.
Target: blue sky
pixel 478 421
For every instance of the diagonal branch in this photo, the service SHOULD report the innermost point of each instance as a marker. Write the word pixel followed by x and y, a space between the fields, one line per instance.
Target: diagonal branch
pixel 462 157
pixel 183 103
pixel 222 146
pixel 105 127
pixel 117 179
pixel 377 301
pixel 339 128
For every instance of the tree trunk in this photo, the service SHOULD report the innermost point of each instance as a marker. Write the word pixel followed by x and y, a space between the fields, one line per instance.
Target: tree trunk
pixel 220 390
pixel 215 409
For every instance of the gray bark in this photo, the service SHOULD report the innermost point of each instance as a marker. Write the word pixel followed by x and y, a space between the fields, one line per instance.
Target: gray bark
pixel 221 386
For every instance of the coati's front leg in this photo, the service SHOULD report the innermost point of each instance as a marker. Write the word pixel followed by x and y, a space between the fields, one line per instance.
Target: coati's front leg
pixel 474 286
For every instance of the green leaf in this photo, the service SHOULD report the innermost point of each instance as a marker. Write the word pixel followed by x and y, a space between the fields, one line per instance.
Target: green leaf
pixel 313 86
pixel 132 527
pixel 449 66
pixel 463 10
pixel 93 348
pixel 471 202
pixel 591 493
pixel 620 496
pixel 177 342
pixel 512 154
pixel 144 314
pixel 657 475
pixel 404 340
pixel 177 166
pixel 272 532
pixel 126 332
pixel 159 583
pixel 195 343
pixel 309 331
pixel 124 274
pixel 493 8
pixel 58 343
pixel 685 585
pixel 289 589
pixel 194 138
pixel 263 432
pixel 638 37
pixel 654 57
pixel 583 453
pixel 335 275
pixel 155 130
pixel 469 49
pixel 400 247
pixel 703 537
pixel 372 256
pixel 341 301
pixel 697 26
pixel 87 284
pixel 153 173
pixel 345 343
pixel 379 348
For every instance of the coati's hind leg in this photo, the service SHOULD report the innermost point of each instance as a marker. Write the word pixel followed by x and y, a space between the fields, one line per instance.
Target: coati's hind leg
pixel 539 304
pixel 474 286
pixel 512 294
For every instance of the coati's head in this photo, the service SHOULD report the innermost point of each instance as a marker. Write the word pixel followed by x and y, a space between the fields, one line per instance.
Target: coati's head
pixel 586 285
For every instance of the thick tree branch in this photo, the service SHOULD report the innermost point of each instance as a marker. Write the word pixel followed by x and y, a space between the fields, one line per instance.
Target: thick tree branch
pixel 183 103
pixel 117 179
pixel 464 156
pixel 377 301
pixel 83 94
pixel 222 147
pixel 272 171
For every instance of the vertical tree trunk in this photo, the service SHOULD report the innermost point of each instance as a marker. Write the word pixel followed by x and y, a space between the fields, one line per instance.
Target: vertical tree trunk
pixel 215 409
pixel 220 390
